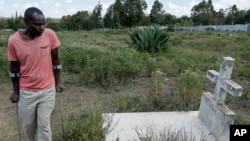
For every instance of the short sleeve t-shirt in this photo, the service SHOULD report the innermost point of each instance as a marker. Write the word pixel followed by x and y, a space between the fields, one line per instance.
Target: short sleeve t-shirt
pixel 35 59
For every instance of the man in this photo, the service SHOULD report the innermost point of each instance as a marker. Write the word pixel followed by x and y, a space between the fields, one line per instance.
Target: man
pixel 35 74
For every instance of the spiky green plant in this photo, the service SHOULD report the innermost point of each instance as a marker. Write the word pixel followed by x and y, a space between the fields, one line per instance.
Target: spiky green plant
pixel 153 39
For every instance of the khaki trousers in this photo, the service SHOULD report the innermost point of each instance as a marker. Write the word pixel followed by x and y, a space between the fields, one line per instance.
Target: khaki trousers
pixel 34 109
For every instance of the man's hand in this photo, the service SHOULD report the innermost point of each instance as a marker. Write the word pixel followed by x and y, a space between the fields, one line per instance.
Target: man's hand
pixel 14 97
pixel 59 87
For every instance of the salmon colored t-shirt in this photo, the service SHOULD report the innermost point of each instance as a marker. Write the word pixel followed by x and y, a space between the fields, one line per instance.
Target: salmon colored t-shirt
pixel 35 59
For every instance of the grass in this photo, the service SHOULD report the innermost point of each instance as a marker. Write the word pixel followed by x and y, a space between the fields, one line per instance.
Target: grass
pixel 169 135
pixel 101 69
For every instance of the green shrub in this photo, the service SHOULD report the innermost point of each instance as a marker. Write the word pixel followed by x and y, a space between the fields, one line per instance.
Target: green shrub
pixel 243 71
pixel 126 103
pixel 73 59
pixel 217 45
pixel 150 40
pixel 4 66
pixel 156 91
pixel 176 41
pixel 190 87
pixel 151 66
pixel 3 43
pixel 86 127
pixel 171 28
pixel 99 70
pixel 128 64
pixel 210 29
pixel 95 66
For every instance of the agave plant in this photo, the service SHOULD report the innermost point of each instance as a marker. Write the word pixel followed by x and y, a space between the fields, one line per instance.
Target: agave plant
pixel 153 39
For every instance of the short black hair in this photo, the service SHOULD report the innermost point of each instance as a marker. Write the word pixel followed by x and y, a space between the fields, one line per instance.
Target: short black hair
pixel 28 14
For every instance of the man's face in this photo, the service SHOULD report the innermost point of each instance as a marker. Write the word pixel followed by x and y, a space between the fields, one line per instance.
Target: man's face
pixel 37 25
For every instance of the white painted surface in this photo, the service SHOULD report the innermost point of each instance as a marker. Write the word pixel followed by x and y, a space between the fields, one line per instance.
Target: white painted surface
pixel 126 125
pixel 216 117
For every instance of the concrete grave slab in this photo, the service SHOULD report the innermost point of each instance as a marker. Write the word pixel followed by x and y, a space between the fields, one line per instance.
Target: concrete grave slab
pixel 129 126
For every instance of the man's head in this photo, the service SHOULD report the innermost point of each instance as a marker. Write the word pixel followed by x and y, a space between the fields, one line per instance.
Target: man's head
pixel 35 21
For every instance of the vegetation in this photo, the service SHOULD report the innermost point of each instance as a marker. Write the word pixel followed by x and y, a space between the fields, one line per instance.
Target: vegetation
pixel 86 126
pixel 168 135
pixel 150 40
pixel 130 13
pixel 102 69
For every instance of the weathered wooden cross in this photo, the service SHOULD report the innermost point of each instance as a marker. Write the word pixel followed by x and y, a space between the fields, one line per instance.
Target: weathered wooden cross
pixel 216 116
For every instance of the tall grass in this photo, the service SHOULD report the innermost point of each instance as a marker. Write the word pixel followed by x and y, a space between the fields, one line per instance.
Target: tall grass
pixel 4 66
pixel 88 126
pixel 190 87
pixel 95 66
pixel 168 134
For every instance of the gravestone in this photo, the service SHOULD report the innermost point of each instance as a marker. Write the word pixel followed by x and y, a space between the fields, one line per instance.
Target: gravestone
pixel 215 115
pixel 210 123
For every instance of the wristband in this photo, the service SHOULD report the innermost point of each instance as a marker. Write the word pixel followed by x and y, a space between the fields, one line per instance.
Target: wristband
pixel 57 67
pixel 14 75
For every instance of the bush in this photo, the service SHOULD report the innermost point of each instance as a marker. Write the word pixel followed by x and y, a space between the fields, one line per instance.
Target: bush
pixel 176 41
pixel 150 40
pixel 190 87
pixel 4 66
pixel 95 66
pixel 156 91
pixel 210 29
pixel 88 126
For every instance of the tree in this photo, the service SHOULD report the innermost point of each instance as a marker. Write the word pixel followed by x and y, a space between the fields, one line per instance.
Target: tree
pixel 118 12
pixel 156 13
pixel 107 19
pixel 232 14
pixel 220 16
pixel 145 21
pixel 96 16
pixel 77 21
pixel 184 21
pixel 203 13
pixel 112 17
pixel 132 12
pixel 168 19
pixel 16 23
pixel 3 23
pixel 210 6
pixel 240 18
pixel 247 16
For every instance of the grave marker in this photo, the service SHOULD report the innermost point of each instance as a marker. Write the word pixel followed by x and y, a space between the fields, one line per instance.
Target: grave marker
pixel 216 116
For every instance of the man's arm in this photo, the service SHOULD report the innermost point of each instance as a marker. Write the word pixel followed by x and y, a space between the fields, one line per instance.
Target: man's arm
pixel 57 68
pixel 15 77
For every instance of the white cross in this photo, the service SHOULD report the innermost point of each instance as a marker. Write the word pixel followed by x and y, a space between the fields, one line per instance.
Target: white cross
pixel 222 80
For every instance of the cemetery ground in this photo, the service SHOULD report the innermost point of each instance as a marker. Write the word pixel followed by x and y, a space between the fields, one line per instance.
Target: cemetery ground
pixel 157 82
